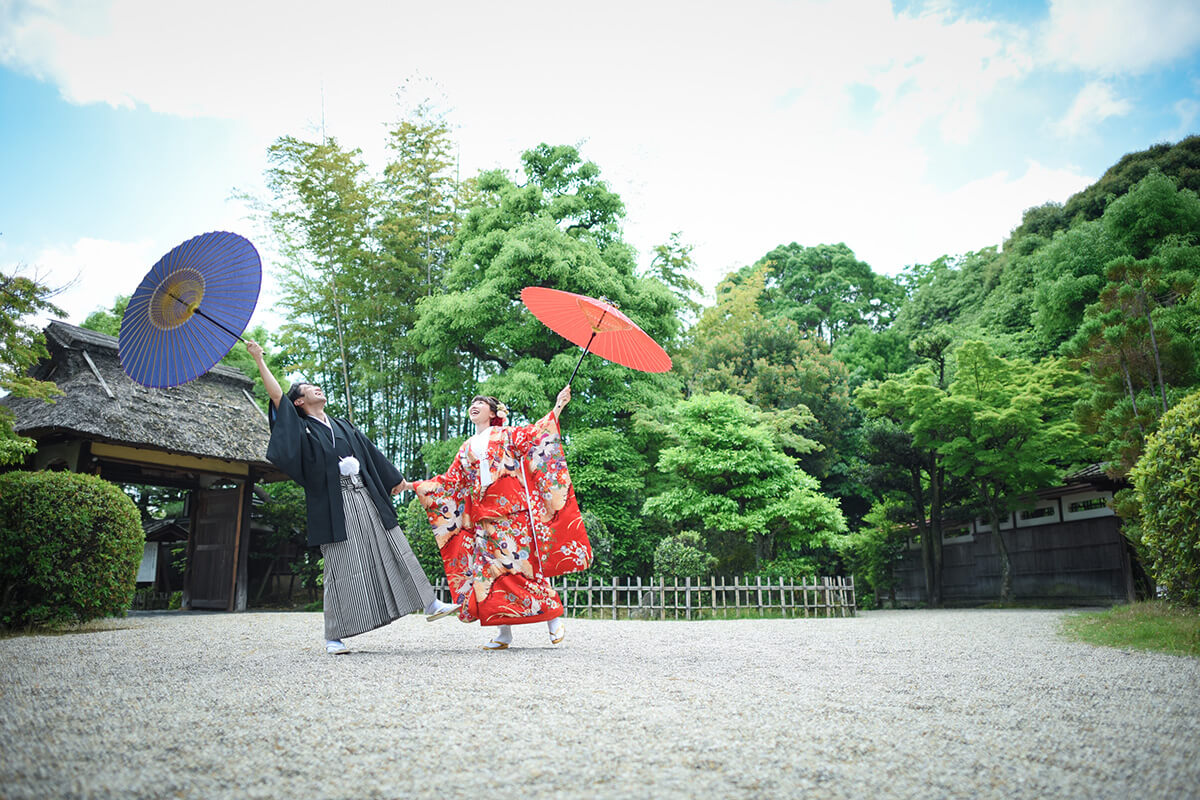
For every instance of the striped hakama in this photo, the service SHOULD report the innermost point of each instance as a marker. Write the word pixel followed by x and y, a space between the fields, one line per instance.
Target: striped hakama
pixel 373 577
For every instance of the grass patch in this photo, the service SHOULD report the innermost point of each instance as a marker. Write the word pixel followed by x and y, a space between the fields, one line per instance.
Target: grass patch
pixel 1151 625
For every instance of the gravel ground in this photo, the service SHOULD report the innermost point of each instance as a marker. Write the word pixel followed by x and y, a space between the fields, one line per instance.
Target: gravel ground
pixel 891 704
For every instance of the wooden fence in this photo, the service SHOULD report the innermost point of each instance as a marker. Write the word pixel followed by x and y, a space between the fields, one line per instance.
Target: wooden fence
pixel 701 598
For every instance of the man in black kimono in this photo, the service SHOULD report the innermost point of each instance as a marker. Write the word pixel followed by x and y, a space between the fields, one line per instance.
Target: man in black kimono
pixel 371 575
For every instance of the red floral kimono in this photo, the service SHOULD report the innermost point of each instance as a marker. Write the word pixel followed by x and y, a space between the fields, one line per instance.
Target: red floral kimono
pixel 505 518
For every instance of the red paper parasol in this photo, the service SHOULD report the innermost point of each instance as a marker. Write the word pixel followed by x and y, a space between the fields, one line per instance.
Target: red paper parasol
pixel 598 327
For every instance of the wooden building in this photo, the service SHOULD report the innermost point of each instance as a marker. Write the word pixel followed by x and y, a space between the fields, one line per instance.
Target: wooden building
pixel 207 436
pixel 1065 547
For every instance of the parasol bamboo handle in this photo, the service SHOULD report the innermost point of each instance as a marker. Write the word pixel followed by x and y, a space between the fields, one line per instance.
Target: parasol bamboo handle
pixel 585 348
pixel 580 361
pixel 222 327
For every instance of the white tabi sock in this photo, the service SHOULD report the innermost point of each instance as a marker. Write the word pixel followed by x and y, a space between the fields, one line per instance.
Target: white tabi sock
pixel 435 606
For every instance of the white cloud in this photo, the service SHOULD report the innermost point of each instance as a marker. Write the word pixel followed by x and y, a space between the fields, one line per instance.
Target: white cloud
pixel 731 122
pixel 1095 103
pixel 1115 37
pixel 938 68
pixel 984 211
pixel 1187 110
pixel 93 272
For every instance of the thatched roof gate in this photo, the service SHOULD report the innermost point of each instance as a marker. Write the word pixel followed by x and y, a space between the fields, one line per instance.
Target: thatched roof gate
pixel 207 436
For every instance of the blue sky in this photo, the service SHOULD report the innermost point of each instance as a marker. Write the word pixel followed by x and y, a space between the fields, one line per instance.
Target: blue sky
pixel 906 130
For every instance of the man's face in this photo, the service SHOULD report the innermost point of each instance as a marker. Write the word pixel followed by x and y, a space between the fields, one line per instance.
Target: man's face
pixel 310 396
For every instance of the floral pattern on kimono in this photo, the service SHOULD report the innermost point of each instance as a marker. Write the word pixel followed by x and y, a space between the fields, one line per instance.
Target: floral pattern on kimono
pixel 494 540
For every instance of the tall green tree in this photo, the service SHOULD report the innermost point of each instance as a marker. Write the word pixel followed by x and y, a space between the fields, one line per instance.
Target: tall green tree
pixel 946 293
pixel 673 266
pixel 871 355
pixel 419 217
pixel 826 289
pixel 321 216
pixel 729 479
pixel 558 229
pixel 771 363
pixel 357 254
pixel 1005 431
pixel 22 345
pixel 1069 275
pixel 904 425
pixel 420 193
pixel 1180 161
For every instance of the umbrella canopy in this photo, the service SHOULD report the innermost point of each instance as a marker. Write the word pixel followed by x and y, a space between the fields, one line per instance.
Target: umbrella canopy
pixel 597 326
pixel 189 309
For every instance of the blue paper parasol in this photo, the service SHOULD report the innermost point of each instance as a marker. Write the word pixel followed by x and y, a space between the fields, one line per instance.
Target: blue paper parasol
pixel 190 309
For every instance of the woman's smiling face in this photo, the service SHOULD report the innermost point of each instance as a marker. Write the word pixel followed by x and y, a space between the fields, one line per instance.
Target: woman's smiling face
pixel 480 412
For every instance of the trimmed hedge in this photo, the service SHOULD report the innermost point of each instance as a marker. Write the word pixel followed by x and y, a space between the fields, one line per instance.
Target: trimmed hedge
pixel 1166 483
pixel 70 545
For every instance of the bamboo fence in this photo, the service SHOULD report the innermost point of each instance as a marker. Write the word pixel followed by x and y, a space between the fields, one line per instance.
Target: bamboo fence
pixel 701 598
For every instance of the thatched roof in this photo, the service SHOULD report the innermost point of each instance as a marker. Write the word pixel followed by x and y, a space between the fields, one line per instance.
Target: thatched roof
pixel 212 416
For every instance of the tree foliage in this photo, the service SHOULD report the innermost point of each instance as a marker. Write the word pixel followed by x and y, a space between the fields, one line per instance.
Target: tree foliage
pixel 609 475
pixel 402 288
pixel 1166 483
pixel 826 289
pixel 772 364
pixel 1136 339
pixel 903 429
pixel 729 479
pixel 1007 432
pixel 560 230
pixel 872 552
pixel 358 253
pixel 1180 161
pixel 22 345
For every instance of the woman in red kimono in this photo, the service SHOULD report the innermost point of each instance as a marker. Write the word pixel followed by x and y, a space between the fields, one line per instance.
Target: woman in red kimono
pixel 505 519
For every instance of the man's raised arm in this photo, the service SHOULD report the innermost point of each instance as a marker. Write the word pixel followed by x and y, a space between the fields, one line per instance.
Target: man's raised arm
pixel 273 390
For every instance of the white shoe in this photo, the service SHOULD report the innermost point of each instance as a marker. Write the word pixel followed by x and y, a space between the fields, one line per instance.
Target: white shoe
pixel 558 630
pixel 334 647
pixel 439 610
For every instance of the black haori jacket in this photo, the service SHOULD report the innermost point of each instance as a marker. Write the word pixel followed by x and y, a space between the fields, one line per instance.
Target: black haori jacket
pixel 303 449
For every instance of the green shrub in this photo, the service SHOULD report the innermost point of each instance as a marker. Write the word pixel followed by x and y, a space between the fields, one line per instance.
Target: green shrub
pixel 872 552
pixel 415 524
pixel 602 544
pixel 70 546
pixel 682 556
pixel 793 567
pixel 1166 483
